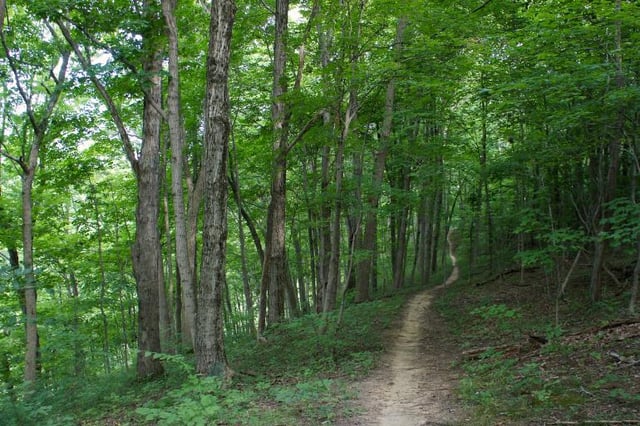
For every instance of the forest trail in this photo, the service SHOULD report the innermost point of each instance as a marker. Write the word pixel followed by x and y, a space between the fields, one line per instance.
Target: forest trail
pixel 416 384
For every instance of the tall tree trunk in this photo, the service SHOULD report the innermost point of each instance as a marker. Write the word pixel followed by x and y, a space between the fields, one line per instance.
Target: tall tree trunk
pixel 324 246
pixel 167 308
pixel 246 285
pixel 210 353
pixel 78 352
pixel 300 278
pixel 28 166
pixel 274 271
pixel 423 238
pixel 103 287
pixel 353 31
pixel 635 279
pixel 146 252
pixel 401 252
pixel 601 244
pixel 364 266
pixel 30 295
pixel 484 182
pixel 176 135
pixel 437 223
pixel 333 275
pixel 312 236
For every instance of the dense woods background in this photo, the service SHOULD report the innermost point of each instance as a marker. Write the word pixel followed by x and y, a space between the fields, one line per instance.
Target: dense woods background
pixel 174 172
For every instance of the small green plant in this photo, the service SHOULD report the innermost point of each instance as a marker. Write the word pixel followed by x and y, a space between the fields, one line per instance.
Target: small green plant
pixel 497 316
pixel 495 312
pixel 624 395
pixel 359 363
pixel 199 401
pixel 542 396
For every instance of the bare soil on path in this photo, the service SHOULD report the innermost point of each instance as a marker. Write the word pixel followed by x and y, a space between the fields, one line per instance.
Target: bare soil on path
pixel 416 384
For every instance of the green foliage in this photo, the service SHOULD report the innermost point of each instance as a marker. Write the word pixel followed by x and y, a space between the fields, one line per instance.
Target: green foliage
pixel 497 317
pixel 499 386
pixel 198 401
pixel 554 243
pixel 507 110
pixel 624 222
pixel 309 351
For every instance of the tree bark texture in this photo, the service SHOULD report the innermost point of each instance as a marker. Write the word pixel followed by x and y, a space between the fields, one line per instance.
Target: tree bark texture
pixel 176 135
pixel 210 352
pixel 146 252
pixel 274 271
pixel 30 294
pixel 333 275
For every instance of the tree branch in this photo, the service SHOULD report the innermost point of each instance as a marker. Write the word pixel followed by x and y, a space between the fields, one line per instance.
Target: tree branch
pixel 119 57
pixel 111 106
pixel 316 117
pixel 266 6
pixel 19 161
pixel 481 6
pixel 14 69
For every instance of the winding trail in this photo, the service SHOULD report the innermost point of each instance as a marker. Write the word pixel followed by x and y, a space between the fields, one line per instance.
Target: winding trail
pixel 415 387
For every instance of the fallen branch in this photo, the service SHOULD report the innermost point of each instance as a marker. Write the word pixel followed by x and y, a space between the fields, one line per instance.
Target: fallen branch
pixel 611 325
pixel 502 274
pixel 612 275
pixel 473 354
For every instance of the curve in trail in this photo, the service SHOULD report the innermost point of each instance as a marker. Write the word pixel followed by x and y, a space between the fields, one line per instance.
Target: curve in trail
pixel 455 272
pixel 417 385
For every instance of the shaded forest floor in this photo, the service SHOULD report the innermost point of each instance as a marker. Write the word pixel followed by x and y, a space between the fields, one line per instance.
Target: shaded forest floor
pixel 526 363
pixel 494 346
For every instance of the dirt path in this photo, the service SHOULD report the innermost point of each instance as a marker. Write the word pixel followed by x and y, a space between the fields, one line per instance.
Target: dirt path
pixel 416 384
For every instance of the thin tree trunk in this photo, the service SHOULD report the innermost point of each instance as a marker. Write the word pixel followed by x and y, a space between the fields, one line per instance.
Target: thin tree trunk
pixel 176 135
pixel 601 244
pixel 333 275
pixel 300 279
pixel 635 281
pixel 401 253
pixel 248 296
pixel 30 295
pixel 103 287
pixel 210 352
pixel 78 353
pixel 484 186
pixel 233 184
pixel 435 235
pixel 324 248
pixel 364 267
pixel 168 325
pixel 28 168
pixel 355 216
